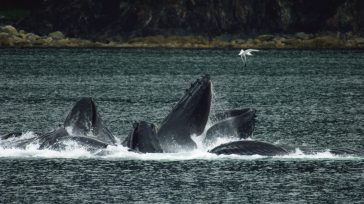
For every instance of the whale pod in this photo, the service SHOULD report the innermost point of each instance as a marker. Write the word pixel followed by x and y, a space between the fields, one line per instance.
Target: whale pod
pixel 84 126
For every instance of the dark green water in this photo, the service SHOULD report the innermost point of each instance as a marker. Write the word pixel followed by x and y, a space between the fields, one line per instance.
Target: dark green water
pixel 303 97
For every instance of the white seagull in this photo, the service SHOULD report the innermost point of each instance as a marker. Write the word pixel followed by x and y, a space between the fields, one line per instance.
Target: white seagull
pixel 244 53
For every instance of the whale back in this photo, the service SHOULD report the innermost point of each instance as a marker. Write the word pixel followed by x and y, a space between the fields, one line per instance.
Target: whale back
pixel 249 147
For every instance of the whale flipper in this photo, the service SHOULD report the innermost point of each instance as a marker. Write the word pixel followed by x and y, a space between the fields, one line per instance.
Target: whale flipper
pixel 233 123
pixel 143 138
pixel 249 147
pixel 84 120
pixel 189 116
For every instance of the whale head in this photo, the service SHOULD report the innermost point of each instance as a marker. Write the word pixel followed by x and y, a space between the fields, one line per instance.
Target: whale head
pixel 189 116
pixel 193 109
pixel 84 120
pixel 195 105
pixel 143 138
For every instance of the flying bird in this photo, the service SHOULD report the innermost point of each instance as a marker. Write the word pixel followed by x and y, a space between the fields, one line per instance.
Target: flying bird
pixel 244 53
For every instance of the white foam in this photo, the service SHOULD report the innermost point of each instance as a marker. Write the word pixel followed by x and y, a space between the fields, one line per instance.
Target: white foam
pixel 122 153
pixel 75 151
pixel 326 154
pixel 69 129
pixel 25 135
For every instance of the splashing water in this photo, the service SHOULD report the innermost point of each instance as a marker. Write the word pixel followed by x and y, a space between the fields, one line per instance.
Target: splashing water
pixel 75 151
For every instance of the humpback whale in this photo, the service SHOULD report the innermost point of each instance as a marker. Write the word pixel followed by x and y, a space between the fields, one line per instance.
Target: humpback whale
pixel 85 120
pixel 83 126
pixel 189 116
pixel 237 124
pixel 143 138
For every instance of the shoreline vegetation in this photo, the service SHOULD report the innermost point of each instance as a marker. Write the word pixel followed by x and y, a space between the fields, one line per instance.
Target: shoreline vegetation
pixel 11 37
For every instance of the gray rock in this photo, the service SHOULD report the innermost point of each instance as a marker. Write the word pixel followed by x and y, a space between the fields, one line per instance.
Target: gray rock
pixel 4 35
pixel 265 37
pixel 303 36
pixel 32 37
pixel 56 35
pixel 9 29
pixel 359 40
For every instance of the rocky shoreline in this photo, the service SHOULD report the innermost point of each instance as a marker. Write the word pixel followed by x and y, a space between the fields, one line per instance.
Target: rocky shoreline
pixel 11 37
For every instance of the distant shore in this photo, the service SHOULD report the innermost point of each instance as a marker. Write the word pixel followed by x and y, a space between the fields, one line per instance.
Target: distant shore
pixel 11 37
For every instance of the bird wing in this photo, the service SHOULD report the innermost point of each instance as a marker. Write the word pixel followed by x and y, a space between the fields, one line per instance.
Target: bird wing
pixel 250 50
pixel 241 52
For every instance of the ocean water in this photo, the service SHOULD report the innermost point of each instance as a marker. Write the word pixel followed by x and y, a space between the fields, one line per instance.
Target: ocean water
pixel 303 97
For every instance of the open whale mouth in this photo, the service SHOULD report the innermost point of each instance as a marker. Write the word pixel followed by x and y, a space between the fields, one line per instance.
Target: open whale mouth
pixel 188 117
pixel 83 117
pixel 193 108
pixel 201 108
pixel 143 138
pixel 83 120
pixel 237 124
